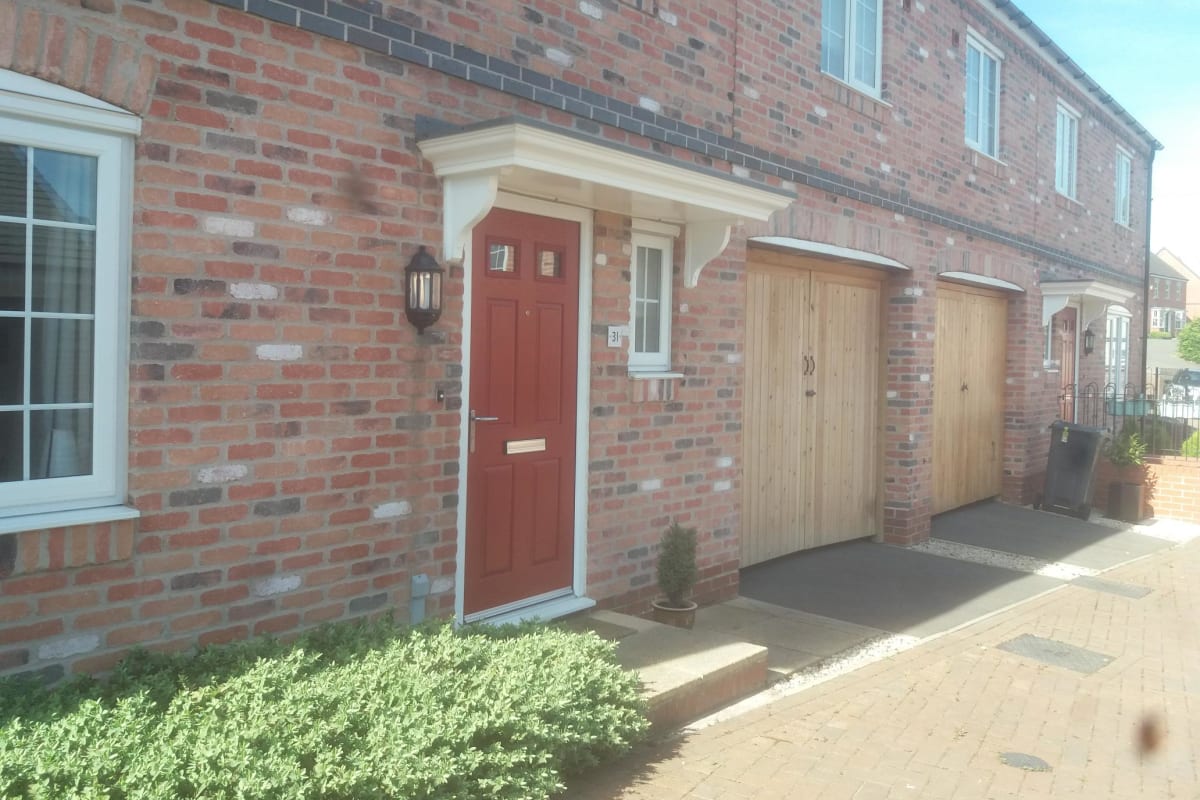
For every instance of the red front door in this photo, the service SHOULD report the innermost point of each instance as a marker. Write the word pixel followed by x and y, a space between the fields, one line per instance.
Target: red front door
pixel 521 441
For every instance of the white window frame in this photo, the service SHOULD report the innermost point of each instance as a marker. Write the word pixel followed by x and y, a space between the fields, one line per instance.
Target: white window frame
pixel 1122 183
pixel 656 237
pixel 978 139
pixel 1066 149
pixel 39 114
pixel 848 29
pixel 1116 347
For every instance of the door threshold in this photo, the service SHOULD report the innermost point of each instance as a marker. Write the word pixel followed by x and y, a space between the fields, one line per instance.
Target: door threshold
pixel 538 611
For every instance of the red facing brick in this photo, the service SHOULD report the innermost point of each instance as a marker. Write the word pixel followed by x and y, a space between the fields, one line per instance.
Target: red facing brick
pixel 201 619
pixel 224 635
pixel 104 618
pixel 33 632
pixel 97 663
pixel 135 634
pixel 166 607
pixel 34 584
pixel 129 591
pixel 13 611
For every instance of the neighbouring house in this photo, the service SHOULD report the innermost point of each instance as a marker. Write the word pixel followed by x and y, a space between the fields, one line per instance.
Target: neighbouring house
pixel 790 273
pixel 1168 296
pixel 1191 291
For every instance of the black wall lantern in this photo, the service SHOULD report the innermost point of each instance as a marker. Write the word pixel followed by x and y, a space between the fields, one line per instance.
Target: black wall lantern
pixel 423 290
pixel 1089 342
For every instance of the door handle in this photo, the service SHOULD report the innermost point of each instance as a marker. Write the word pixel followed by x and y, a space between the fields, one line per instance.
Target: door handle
pixel 471 432
pixel 811 393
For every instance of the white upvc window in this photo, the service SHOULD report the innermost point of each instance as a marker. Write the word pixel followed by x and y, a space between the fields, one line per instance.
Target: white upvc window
pixel 66 165
pixel 1156 320
pixel 1124 172
pixel 1066 150
pixel 1116 348
pixel 982 96
pixel 851 40
pixel 650 300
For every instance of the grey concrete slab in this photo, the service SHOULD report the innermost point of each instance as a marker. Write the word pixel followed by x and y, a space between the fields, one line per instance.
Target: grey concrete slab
pixel 1129 590
pixel 888 588
pixel 1043 535
pixel 1056 653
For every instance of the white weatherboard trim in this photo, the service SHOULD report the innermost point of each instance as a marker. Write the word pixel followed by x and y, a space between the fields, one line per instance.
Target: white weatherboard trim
pixel 601 177
pixel 536 607
pixel 1093 297
pixel 980 280
pixel 831 251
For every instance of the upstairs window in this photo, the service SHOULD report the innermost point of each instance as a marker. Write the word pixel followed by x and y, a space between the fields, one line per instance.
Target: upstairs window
pixel 65 209
pixel 1066 150
pixel 650 339
pixel 982 97
pixel 1121 201
pixel 851 31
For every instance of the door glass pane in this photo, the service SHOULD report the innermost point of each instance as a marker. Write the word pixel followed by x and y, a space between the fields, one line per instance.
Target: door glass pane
pixel 502 258
pixel 63 265
pixel 12 267
pixel 12 361
pixel 61 361
pixel 549 264
pixel 12 180
pixel 64 187
pixel 60 443
pixel 11 444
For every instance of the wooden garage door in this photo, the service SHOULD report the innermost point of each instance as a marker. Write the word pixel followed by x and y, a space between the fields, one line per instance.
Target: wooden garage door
pixel 810 446
pixel 968 395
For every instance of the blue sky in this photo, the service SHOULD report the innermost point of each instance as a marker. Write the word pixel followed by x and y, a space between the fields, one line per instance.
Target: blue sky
pixel 1146 54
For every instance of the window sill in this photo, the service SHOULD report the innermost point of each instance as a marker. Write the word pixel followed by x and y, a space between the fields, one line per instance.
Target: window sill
pixel 653 387
pixel 646 376
pixel 1066 203
pixel 64 519
pixel 987 165
pixel 852 97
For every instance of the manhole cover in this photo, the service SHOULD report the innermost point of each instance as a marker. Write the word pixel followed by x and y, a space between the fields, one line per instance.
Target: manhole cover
pixel 1112 587
pixel 1024 761
pixel 1056 653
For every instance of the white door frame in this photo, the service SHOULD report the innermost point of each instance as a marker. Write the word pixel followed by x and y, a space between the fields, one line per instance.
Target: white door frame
pixel 555 604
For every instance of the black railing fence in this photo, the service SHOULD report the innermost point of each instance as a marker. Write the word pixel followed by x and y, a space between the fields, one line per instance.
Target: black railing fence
pixel 1165 412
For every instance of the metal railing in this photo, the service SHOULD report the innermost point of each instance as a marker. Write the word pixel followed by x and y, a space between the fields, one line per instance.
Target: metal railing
pixel 1165 412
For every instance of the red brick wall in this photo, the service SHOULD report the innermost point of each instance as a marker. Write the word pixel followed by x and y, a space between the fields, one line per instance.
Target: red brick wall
pixel 1172 487
pixel 287 452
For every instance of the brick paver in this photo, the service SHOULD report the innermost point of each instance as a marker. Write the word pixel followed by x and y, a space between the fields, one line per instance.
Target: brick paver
pixel 932 722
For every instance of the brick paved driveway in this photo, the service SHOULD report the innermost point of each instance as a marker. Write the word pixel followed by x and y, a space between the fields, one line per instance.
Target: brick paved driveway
pixel 932 722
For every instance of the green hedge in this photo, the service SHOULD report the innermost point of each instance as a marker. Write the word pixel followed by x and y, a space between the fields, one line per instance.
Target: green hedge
pixel 352 711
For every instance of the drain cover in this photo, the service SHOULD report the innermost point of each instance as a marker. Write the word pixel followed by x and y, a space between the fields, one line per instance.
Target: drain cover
pixel 1056 653
pixel 1024 761
pixel 1112 587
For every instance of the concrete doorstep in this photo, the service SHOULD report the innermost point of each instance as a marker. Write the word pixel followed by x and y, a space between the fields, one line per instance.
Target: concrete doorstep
pixel 736 649
pixel 685 674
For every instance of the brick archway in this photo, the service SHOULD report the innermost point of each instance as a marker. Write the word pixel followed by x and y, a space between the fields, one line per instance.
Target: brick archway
pixel 70 53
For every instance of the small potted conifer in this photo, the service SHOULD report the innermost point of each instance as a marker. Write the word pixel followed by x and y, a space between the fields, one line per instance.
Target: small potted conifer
pixel 676 577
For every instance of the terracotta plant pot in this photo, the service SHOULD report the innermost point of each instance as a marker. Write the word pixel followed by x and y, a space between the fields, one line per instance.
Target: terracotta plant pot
pixel 679 617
